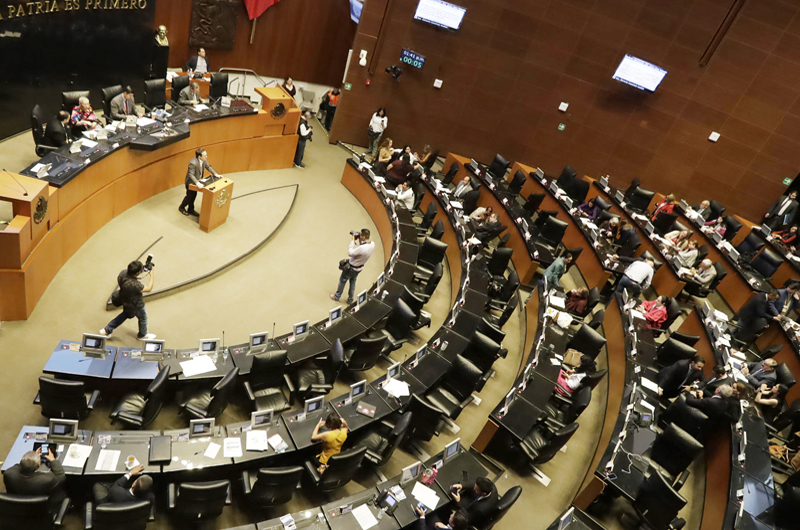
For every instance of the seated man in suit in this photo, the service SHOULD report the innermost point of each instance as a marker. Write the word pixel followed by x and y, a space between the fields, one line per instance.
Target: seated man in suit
pixel 132 487
pixel 190 95
pixel 716 406
pixel 704 274
pixel 761 373
pixel 24 478
pixel 457 521
pixel 758 307
pixel 198 63
pixel 56 132
pixel 721 377
pixel 680 376
pixel 788 300
pixel 462 188
pixel 123 105
pixel 478 501
pixel 485 230
pixel 703 210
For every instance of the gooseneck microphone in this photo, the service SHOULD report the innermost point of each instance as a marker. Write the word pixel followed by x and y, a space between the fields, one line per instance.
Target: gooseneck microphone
pixel 25 192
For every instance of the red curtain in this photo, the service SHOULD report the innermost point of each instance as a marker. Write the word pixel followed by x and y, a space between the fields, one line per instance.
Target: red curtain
pixel 256 7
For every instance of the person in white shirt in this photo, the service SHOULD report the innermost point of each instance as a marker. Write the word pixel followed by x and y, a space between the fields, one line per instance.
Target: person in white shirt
pixel 361 248
pixel 198 63
pixel 304 132
pixel 462 188
pixel 405 196
pixel 377 125
pixel 637 276
pixel 688 256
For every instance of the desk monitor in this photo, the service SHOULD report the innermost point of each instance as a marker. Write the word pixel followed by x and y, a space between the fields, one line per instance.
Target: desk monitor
pixel 334 315
pixel 540 173
pixel 313 405
pixel 507 401
pixel 526 375
pixel 258 342
pixel 62 430
pixel 201 428
pixel 362 299
pixel 625 297
pixel 568 202
pixel 525 225
pixel 410 473
pixel 716 237
pixel 603 182
pixel 566 519
pixel 93 346
pixel 152 350
pixel 649 228
pixel 734 254
pixel 450 450
pixel 392 372
pixel 209 346
pixel 619 196
pixel 420 354
pixel 765 230
pixel 684 205
pixel 261 418
pixel 553 187
pixel 356 389
pixel 379 282
pixel 474 164
pixel 300 329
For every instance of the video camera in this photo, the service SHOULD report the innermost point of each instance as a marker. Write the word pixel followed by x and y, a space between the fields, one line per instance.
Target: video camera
pixel 149 264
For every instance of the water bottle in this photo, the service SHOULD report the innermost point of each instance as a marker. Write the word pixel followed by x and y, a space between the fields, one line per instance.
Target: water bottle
pixel 225 355
pixel 384 295
pixel 444 346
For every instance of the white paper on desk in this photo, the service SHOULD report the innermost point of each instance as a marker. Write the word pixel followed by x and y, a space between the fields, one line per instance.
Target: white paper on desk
pixel 397 388
pixel 232 447
pixel 277 443
pixel 723 339
pixel 557 301
pixel 639 216
pixel 107 460
pixel 144 122
pixel 256 440
pixel 591 225
pixel 794 257
pixel 474 241
pixel 637 314
pixel 77 455
pixel 425 495
pixel 738 354
pixel 456 204
pixel 200 107
pixel 683 271
pixel 647 405
pixel 555 362
pixel 37 168
pixel 379 180
pixel 212 450
pixel 720 316
pixel 364 517
pixel 649 385
pixel 563 319
pixel 199 365
pixel 89 143
pixel 398 493
pixel 111 127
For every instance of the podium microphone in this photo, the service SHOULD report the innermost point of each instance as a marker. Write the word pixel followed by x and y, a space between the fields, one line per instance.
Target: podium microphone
pixel 25 192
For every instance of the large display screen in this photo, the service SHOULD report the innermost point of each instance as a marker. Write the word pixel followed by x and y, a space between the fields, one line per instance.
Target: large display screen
pixel 440 13
pixel 641 74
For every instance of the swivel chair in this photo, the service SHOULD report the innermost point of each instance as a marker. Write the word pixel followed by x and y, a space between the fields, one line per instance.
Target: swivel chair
pixel 587 341
pixel 502 507
pixel 427 219
pixel 500 299
pixel 365 353
pixel 268 379
pixel 702 253
pixel 591 301
pixel 767 263
pixel 431 253
pixel 415 303
pixel 318 377
pixel 592 380
pixel 341 469
pixel 515 186
pixel 426 290
pixel 716 210
pixel 562 410
pixel 219 86
pixel 640 199
pixel 397 327
pixel 664 222
pixel 498 263
pixel 784 376
pixel 732 227
pixel 672 452
pixel 578 191
pixel 482 352
pixel 426 419
pixel 38 123
pixel 507 309
pixel 271 486
pixel 454 393
pixel 132 515
pixel 690 419
pixel 70 99
pixel 689 340
pixel 498 167
pixel 552 232
pixel 382 441
pixel 29 512
pixel 532 203
pixel 155 94
pixel 488 329
pixel 564 180
pixel 179 83
pixel 139 410
pixel 672 350
pixel 470 202
pixel 447 178
pixel 198 501
pixel 542 444
pixel 751 244
pixel 110 93
pixel 211 403
pixel 597 319
pixel 657 503
pixel 438 230
pixel 60 398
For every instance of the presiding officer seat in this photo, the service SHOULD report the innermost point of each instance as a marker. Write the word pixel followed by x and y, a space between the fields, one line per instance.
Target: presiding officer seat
pixel 198 501
pixel 179 83
pixel 341 469
pixel 38 123
pixel 69 100
pixel 210 403
pixel 60 398
pixel 110 93
pixel 118 516
pixel 29 512
pixel 139 410
pixel 271 486
pixel 155 94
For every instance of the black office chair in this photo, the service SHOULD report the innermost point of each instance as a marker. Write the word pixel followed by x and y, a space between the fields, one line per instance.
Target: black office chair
pixel 716 210
pixel 210 403
pixel 604 216
pixel 575 253
pixel 543 217
pixel 640 199
pixel 29 512
pixel 632 187
pixel 502 507
pixel 732 227
pixel 384 439
pixel 485 239
pixel 786 509
pixel 198 501
pixel 500 299
pixel 428 165
pixel 751 244
pixel 515 186
pixel 397 327
pixel 448 177
pixel 507 310
pixel 770 351
pixel 415 303
pixel 689 340
pixel 426 290
pixel 482 351
pixel 702 253
pixel 132 515
pixel 427 219
pixel 502 242
pixel 657 503
pixel 341 469
pixel 38 122
pixel 690 419
pixel 664 222
pixel 318 377
pixel 454 392
pixel 271 486
pixel 179 83
pixel 532 203
pixel 553 231
pixel 219 86
pixel 601 203
pixel 578 191
pixel 419 192
pixel 695 289
pixel 564 180
pixel 767 263
pixel 671 351
pixel 674 310
pixel 70 99
pixel 597 319
pixel 498 167
pixel 155 94
pixel 673 451
pixel 592 380
pixel 680 227
pixel 139 410
pixel 489 329
pixel 542 444
pixel 470 202
pixel 587 341
pixel 498 263
pixel 562 410
pixel 426 420
pixel 268 379
pixel 60 398
pixel 110 93
pixel 438 230
pixel 784 376
pixel 365 354
pixel 431 253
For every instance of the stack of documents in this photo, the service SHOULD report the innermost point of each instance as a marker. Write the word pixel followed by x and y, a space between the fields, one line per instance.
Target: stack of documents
pixel 425 495
pixel 199 365
pixel 257 440
pixel 396 389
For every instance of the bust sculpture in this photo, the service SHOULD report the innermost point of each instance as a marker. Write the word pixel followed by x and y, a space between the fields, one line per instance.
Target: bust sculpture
pixel 161 36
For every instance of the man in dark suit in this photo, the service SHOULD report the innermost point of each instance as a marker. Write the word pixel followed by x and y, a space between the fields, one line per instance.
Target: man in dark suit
pixel 25 479
pixel 56 132
pixel 132 487
pixel 680 376
pixel 478 502
pixel 716 406
pixel 124 105
pixel 194 174
pixel 758 374
pixel 789 294
pixel 782 212
pixel 457 521
pixel 485 230
pixel 703 210
pixel 198 63
pixel 758 307
pixel 721 377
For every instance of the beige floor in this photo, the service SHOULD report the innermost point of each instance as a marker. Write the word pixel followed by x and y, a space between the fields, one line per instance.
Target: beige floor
pixel 285 281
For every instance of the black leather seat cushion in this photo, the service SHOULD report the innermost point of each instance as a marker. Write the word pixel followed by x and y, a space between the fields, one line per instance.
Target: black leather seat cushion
pixel 198 401
pixel 271 398
pixel 535 440
pixel 132 403
pixel 308 377
pixel 444 401
pixel 374 442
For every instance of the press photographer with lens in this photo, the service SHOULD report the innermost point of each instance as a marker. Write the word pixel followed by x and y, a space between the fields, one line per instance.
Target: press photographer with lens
pixel 129 296
pixel 361 248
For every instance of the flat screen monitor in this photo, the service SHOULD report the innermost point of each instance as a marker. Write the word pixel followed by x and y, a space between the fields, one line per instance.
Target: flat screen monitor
pixel 638 73
pixel 539 173
pixel 450 450
pixel 362 298
pixel 508 400
pixel 438 13
pixel 565 519
pixel 625 297
pixel 603 182
pixel 393 371
pixel 62 430
pixel 420 354
pixel 300 329
pixel 334 315
pixel 93 345
pixel 619 196
pixel 313 405
pixel 357 389
pixel 553 187
pixel 765 230
pixel 381 280
pixel 201 428
pixel 734 254
pixel 261 418
pixel 153 346
pixel 410 473
pixel 684 205
pixel 649 228
pixel 258 342
pixel 568 202
pixel 209 346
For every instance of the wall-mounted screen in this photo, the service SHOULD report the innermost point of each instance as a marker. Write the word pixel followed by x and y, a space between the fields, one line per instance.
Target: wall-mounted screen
pixel 641 74
pixel 355 10
pixel 440 13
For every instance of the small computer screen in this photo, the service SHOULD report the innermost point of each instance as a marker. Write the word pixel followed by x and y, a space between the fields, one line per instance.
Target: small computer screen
pixel 565 519
pixel 152 347
pixel 208 345
pixel 300 328
pixel 64 428
pixel 509 398
pixel 381 279
pixel 201 427
pixel 258 339
pixel 91 342
pixel 356 389
pixel 451 449
pixel 336 314
pixel 390 500
pixel 314 404
pixel 410 472
pixel 362 297
pixel 421 353
pixel 619 196
pixel 393 370
pixel 261 417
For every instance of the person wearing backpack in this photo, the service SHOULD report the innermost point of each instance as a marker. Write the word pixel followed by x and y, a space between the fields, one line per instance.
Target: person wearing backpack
pixel 129 296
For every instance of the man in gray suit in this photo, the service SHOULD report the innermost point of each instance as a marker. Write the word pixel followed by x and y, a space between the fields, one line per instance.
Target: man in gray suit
pixel 24 478
pixel 194 174
pixel 190 95
pixel 124 105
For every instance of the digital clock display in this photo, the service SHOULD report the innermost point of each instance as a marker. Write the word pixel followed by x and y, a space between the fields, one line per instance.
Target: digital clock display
pixel 414 59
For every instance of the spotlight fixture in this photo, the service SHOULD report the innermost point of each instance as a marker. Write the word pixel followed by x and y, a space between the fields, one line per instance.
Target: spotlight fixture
pixel 395 72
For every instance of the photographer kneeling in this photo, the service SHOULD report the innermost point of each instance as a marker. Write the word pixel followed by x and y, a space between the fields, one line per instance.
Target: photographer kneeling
pixel 129 296
pixel 361 248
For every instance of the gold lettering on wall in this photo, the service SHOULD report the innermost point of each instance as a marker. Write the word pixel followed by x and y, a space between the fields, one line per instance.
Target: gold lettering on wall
pixel 32 9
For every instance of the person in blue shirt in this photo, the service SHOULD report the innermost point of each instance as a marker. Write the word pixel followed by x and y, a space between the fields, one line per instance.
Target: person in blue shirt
pixel 556 270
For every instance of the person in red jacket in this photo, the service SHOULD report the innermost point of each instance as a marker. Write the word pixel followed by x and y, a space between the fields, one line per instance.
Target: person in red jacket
pixel 667 205
pixel 787 237
pixel 655 312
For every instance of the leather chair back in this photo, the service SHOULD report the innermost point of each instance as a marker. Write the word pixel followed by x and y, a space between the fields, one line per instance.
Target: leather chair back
pixel 435 278
pixel 784 375
pixel 581 399
pixel 219 86
pixel 716 209
pixel 341 468
pixel 179 83
pixel 470 202
pixel 503 241
pixel 671 351
pixel 767 262
pixel 591 380
pixel 155 395
pixel 664 222
pixel 494 333
pixel 268 369
pixel 674 450
pixel 640 199
pixel 786 509
pixel 679 226
pixel 587 341
pixel 533 202
pixel 221 394
pixel 604 216
pixel 110 93
pixel 689 340
pixel 431 160
pixel 566 177
pixel 38 123
pixel 673 311
pixel 556 442
pixel 155 93
pixel 430 214
pixel 451 174
pixel 690 419
pixel 517 182
pixel 275 485
pixel 419 192
pixel 121 515
pixel 509 288
pixel 431 252
pixel 597 319
pixel 509 310
pixel 657 502
pixel 578 190
pixel 498 167
pixel 575 252
pixel 400 320
pixel 335 361
pixel 721 273
pixel 60 398
pixel 502 507
pixel 751 244
pixel 553 230
pixel 593 300
pixel 498 263
pixel 702 253
pixel 412 301
pixel 438 230
pixel 732 227
pixel 366 353
pixel 462 378
pixel 201 500
pixel 482 351
pixel 69 100
pixel 396 437
pixel 603 204
pixel 424 418
pixel 27 512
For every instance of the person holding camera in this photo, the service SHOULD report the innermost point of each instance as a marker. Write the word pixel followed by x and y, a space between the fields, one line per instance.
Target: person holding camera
pixel 304 134
pixel 361 248
pixel 129 296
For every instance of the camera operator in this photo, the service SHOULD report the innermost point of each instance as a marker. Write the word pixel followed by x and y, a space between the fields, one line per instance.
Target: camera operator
pixel 130 298
pixel 361 248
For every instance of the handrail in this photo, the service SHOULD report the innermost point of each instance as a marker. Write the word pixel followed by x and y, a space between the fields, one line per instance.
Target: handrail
pixel 247 71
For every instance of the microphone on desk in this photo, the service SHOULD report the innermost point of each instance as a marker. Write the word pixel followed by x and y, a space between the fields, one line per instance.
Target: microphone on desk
pixel 273 331
pixel 25 192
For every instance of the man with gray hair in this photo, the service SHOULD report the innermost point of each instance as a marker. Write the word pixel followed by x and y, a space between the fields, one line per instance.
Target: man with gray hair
pixel 132 487
pixel 716 406
pixel 704 274
pixel 26 479
pixel 190 95
pixel 304 131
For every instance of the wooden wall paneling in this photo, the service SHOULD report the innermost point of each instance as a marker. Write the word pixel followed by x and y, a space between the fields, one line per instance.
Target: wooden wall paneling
pixel 237 156
pixel 73 233
pixel 52 214
pixel 15 242
pixel 100 210
pixel 13 303
pixel 273 152
pixel 43 264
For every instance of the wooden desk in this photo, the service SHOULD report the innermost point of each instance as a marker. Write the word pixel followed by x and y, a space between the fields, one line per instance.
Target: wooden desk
pixel 204 82
pixel 216 203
